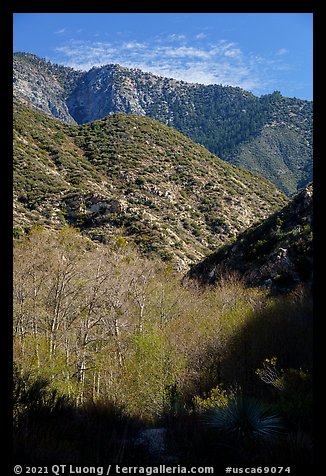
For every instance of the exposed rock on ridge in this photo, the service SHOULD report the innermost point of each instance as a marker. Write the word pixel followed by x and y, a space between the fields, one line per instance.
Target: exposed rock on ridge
pixel 44 85
pixel 269 135
pixel 276 254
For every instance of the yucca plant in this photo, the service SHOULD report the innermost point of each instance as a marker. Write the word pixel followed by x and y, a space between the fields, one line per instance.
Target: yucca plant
pixel 244 418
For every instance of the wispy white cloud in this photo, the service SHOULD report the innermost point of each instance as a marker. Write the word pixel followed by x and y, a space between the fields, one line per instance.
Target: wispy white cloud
pixel 84 55
pixel 132 45
pixel 176 37
pixel 60 32
pixel 282 51
pixel 223 62
pixel 232 52
pixel 185 52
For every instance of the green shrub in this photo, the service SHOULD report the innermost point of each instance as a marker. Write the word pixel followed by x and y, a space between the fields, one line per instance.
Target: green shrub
pixel 216 398
pixel 258 249
pixel 294 399
pixel 33 394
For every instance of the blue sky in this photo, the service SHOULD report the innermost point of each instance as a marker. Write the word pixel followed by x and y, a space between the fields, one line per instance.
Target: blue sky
pixel 260 52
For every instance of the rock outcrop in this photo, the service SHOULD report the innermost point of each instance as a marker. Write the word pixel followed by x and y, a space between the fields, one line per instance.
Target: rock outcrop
pixel 276 254
pixel 44 85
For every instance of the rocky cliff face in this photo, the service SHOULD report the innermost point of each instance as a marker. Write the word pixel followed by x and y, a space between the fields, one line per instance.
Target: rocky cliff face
pixel 44 85
pixel 276 254
pixel 271 135
pixel 103 91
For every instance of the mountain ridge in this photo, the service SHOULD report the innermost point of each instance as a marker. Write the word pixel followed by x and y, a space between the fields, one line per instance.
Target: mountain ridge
pixel 269 135
pixel 132 176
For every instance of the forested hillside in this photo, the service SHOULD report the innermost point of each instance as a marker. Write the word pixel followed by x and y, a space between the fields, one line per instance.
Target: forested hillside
pixel 270 135
pixel 131 176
